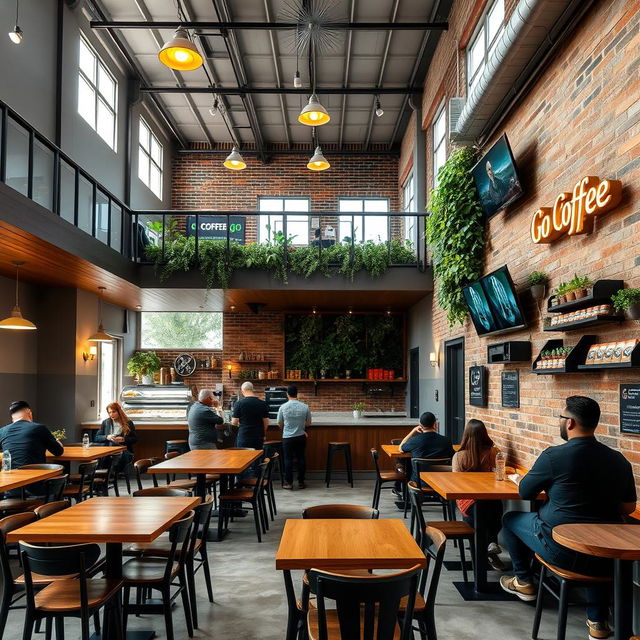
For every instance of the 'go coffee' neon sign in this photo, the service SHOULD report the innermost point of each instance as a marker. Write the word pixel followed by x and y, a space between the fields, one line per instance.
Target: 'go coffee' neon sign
pixel 573 213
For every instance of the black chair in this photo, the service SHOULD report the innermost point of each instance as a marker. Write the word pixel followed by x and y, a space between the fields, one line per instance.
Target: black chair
pixel 112 468
pixel 269 496
pixel 83 488
pixel 179 446
pixel 340 511
pixel 332 448
pixel 396 441
pixel 141 466
pixel 423 465
pixel 71 592
pixel 144 573
pixel 165 491
pixel 367 607
pixel 271 447
pixel 383 478
pixel 50 508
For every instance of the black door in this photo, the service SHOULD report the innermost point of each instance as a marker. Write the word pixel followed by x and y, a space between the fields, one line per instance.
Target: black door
pixel 414 383
pixel 454 388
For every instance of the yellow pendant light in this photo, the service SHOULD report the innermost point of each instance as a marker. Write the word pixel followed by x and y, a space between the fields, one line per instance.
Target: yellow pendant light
pixel 100 335
pixel 15 321
pixel 314 114
pixel 318 162
pixel 235 161
pixel 180 53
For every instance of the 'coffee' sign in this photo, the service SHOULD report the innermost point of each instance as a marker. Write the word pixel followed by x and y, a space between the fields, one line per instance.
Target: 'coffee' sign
pixel 573 213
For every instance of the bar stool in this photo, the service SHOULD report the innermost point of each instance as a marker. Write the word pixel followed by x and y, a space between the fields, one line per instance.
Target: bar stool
pixel 333 448
pixel 275 446
pixel 181 446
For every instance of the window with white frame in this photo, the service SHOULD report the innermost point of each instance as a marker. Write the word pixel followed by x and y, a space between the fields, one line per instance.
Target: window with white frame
pixel 272 225
pixel 408 205
pixel 439 131
pixel 150 159
pixel 484 40
pixel 363 228
pixel 97 94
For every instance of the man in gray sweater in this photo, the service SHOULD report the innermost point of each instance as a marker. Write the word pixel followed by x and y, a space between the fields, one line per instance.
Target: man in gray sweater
pixel 204 416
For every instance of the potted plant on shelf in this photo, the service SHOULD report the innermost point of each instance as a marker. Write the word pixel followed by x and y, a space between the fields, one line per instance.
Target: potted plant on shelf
pixel 627 300
pixel 537 283
pixel 358 408
pixel 580 285
pixel 561 293
pixel 143 365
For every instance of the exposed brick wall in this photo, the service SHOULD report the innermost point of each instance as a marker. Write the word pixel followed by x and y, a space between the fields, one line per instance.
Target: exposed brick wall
pixel 582 117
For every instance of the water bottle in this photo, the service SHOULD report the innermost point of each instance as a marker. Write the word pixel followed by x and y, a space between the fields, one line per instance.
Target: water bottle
pixel 85 440
pixel 6 460
pixel 501 464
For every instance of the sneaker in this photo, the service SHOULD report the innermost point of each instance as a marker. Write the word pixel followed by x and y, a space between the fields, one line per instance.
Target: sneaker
pixel 598 630
pixel 287 486
pixel 495 562
pixel 494 549
pixel 523 590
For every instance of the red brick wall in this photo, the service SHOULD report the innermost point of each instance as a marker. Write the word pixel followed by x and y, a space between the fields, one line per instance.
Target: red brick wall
pixel 582 117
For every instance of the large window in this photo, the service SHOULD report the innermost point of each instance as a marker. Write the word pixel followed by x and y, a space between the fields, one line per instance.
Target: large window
pixel 484 41
pixel 365 228
pixel 109 381
pixel 180 330
pixel 150 159
pixel 97 94
pixel 408 206
pixel 272 225
pixel 439 131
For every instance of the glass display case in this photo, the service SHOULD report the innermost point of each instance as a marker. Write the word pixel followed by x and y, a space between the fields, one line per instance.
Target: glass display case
pixel 150 403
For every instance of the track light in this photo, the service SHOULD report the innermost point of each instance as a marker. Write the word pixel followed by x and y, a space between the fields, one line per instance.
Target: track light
pixel 215 109
pixel 314 114
pixel 379 109
pixel 17 34
pixel 318 162
pixel 234 160
pixel 180 53
pixel 297 80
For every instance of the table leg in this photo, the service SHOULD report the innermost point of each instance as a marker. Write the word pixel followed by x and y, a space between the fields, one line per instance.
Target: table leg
pixel 292 608
pixel 623 599
pixel 220 533
pixel 201 485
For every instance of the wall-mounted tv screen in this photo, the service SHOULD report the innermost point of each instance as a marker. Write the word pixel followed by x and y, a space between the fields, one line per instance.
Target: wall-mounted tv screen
pixel 496 178
pixel 493 303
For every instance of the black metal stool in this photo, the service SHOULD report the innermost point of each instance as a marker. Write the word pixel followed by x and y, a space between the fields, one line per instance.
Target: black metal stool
pixel 181 446
pixel 271 446
pixel 339 446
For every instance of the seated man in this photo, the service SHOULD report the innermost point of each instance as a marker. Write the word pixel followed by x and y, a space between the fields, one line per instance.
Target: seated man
pixel 585 481
pixel 204 417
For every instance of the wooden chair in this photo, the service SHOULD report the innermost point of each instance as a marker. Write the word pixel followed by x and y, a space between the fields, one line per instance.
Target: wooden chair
pixel 51 508
pixel 383 478
pixel 187 483
pixel 340 511
pixel 269 496
pixel 140 467
pixel 162 491
pixel 567 580
pixel 158 574
pixel 71 592
pixel 423 465
pixel 452 530
pixel 84 487
pixel 367 607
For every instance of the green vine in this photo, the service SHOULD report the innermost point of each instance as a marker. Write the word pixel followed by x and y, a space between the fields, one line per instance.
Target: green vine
pixel 455 232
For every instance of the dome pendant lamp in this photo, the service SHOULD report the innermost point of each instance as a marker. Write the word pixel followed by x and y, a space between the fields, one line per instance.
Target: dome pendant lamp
pixel 17 34
pixel 180 53
pixel 100 335
pixel 318 162
pixel 235 161
pixel 15 321
pixel 314 114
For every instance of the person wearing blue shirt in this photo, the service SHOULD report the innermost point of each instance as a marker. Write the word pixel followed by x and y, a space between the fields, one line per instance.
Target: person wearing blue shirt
pixel 293 418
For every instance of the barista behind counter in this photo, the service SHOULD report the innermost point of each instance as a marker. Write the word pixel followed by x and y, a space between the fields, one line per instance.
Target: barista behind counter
pixel 205 421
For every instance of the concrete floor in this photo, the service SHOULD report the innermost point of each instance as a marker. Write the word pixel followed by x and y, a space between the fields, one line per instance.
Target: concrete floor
pixel 249 593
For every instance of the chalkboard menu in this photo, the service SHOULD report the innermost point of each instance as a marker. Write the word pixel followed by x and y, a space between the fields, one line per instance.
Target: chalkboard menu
pixel 630 408
pixel 510 389
pixel 478 386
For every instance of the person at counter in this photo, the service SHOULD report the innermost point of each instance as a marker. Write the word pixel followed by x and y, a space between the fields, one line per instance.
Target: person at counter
pixel 251 415
pixel 204 415
pixel 117 429
pixel 293 418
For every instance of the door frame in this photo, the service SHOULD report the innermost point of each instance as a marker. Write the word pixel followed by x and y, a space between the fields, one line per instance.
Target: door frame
pixel 411 382
pixel 454 342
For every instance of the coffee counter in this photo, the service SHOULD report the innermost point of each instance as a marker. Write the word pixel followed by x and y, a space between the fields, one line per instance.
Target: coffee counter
pixel 340 426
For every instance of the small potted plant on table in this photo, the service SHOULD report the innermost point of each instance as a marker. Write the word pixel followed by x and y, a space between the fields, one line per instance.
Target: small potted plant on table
pixel 627 300
pixel 537 283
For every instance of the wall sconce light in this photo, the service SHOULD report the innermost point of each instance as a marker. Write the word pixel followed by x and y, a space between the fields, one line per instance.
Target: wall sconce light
pixel 91 354
pixel 433 359
pixel 229 371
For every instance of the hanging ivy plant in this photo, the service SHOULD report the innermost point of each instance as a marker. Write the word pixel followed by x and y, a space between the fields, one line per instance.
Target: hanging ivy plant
pixel 455 232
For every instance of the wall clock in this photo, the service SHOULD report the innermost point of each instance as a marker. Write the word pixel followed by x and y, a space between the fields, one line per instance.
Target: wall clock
pixel 184 364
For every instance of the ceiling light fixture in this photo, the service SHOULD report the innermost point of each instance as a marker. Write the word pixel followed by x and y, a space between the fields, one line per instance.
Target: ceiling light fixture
pixel 235 161
pixel 318 162
pixel 297 80
pixel 15 320
pixel 17 34
pixel 100 335
pixel 314 114
pixel 215 109
pixel 180 53
pixel 379 109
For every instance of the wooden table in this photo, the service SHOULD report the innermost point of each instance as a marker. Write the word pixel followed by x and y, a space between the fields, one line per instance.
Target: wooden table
pixel 84 454
pixel 393 450
pixel 200 462
pixel 344 544
pixel 621 542
pixel 112 521
pixel 22 477
pixel 480 486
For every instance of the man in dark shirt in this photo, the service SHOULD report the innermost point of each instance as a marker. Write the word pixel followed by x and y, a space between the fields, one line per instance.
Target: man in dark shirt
pixel 27 441
pixel 251 415
pixel 204 416
pixel 585 481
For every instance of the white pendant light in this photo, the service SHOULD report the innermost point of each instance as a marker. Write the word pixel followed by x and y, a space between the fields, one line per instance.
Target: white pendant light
pixel 100 335
pixel 15 321
pixel 379 110
pixel 180 53
pixel 235 161
pixel 215 109
pixel 318 162
pixel 314 114
pixel 17 34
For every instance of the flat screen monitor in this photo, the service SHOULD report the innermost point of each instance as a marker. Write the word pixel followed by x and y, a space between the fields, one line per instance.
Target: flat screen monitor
pixel 496 178
pixel 493 303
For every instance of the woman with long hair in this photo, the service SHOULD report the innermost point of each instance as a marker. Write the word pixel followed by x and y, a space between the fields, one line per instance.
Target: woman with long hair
pixel 478 453
pixel 117 429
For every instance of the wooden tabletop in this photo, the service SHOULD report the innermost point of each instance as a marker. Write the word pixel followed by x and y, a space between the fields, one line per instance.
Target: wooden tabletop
pixel 478 485
pixel 108 520
pixel 84 454
pixel 229 461
pixel 604 540
pixel 393 450
pixel 22 477
pixel 347 544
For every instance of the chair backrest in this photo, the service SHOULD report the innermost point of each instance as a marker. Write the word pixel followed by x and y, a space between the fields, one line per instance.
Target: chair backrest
pixel 162 491
pixel 200 523
pixel 44 467
pixel 87 472
pixel 396 441
pixel 416 498
pixel 262 472
pixel 180 540
pixel 171 454
pixel 8 524
pixel 54 488
pixel 141 466
pixel 340 511
pixel 380 595
pixel 50 508
pixel 107 463
pixel 441 468
pixel 435 545
pixel 374 455
pixel 272 459
pixel 422 465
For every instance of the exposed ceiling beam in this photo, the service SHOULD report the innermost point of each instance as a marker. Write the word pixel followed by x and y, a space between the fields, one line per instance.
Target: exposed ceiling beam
pixel 298 152
pixel 266 26
pixel 243 91
pixel 345 79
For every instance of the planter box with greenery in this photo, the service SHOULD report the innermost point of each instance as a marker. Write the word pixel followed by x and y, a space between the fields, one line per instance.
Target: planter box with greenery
pixel 143 365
